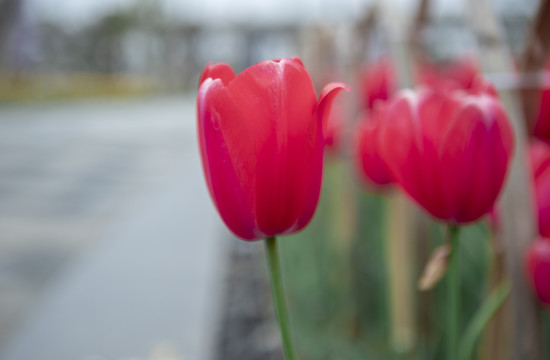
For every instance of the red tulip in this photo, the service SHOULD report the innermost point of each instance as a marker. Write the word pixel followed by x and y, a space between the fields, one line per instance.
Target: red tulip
pixel 448 151
pixel 456 74
pixel 371 166
pixel 539 155
pixel 334 126
pixel 538 268
pixel 261 145
pixel 542 124
pixel 377 81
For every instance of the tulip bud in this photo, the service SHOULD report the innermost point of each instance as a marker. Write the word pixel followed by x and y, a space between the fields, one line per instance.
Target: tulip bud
pixel 261 145
pixel 456 74
pixel 538 268
pixel 371 167
pixel 377 82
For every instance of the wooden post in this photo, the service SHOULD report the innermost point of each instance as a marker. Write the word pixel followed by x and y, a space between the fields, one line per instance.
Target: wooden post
pixel 518 225
pixel 400 213
pixel 534 58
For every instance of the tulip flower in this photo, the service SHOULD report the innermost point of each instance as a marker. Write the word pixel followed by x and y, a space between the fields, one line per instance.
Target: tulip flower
pixel 371 167
pixel 377 82
pixel 538 268
pixel 539 156
pixel 448 151
pixel 542 124
pixel 456 74
pixel 261 143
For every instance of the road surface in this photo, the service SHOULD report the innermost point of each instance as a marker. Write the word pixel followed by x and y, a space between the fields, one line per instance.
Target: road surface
pixel 109 245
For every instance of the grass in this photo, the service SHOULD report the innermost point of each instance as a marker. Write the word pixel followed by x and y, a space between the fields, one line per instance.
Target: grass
pixel 32 87
pixel 336 278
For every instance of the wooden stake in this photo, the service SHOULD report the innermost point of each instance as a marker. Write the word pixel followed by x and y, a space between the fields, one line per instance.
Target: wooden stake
pixel 518 225
pixel 534 58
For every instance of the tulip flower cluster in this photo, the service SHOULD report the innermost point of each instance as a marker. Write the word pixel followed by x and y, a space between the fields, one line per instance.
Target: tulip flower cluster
pixel 262 135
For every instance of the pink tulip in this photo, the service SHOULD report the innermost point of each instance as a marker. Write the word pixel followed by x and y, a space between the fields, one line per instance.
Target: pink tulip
pixel 458 73
pixel 261 144
pixel 538 268
pixel 448 151
pixel 220 71
pixel 377 82
pixel 542 124
pixel 334 126
pixel 539 156
pixel 371 167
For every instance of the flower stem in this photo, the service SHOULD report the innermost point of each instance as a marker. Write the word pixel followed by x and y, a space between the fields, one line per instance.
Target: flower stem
pixel 279 297
pixel 481 319
pixel 453 295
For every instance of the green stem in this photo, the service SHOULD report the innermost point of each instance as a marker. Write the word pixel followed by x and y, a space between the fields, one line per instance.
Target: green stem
pixel 453 294
pixel 481 319
pixel 546 332
pixel 279 296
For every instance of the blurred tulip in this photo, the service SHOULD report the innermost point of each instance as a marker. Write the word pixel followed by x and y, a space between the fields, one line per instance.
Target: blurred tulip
pixel 456 74
pixel 261 144
pixel 448 151
pixel 542 124
pixel 333 126
pixel 377 82
pixel 538 268
pixel 220 71
pixel 370 165
pixel 539 156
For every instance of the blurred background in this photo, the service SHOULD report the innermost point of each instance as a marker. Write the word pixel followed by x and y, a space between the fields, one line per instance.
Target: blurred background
pixel 109 245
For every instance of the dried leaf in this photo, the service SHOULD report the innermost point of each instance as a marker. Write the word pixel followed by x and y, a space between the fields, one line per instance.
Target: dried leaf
pixel 435 268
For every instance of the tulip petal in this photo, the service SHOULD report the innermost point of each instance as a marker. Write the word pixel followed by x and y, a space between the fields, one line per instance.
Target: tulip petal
pixel 474 180
pixel 277 100
pixel 402 146
pixel 224 143
pixel 371 165
pixel 220 71
pixel 326 99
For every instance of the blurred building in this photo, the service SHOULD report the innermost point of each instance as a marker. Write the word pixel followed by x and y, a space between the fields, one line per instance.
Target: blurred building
pixel 169 42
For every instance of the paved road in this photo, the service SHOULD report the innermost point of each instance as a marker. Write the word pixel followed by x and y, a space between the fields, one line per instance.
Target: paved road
pixel 109 245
